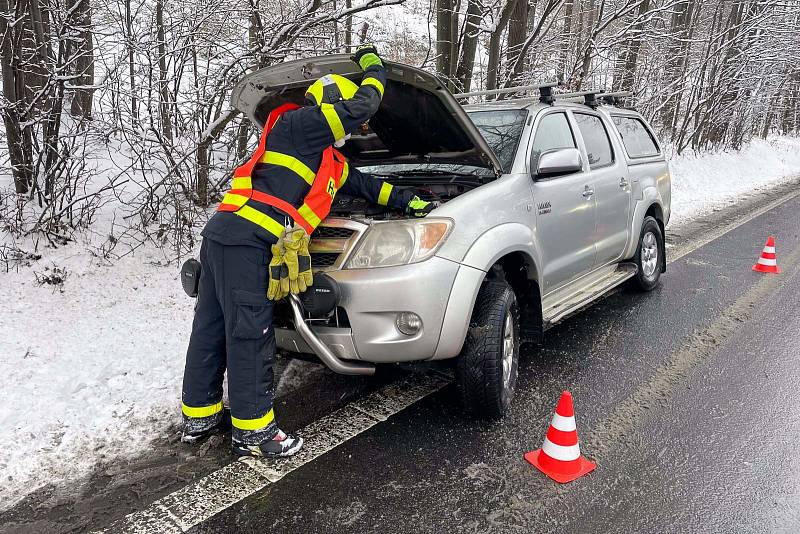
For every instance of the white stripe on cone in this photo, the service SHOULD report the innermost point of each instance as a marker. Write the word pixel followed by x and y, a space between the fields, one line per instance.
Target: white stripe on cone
pixel 564 424
pixel 769 250
pixel 561 452
pixel 765 261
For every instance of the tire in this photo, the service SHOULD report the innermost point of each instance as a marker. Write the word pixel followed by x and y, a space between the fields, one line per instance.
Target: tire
pixel 486 387
pixel 649 256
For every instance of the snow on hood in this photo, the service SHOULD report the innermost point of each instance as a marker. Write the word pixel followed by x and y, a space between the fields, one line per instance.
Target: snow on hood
pixel 419 121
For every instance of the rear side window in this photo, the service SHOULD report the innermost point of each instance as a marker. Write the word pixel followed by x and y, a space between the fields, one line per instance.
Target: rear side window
pixel 598 145
pixel 553 132
pixel 636 137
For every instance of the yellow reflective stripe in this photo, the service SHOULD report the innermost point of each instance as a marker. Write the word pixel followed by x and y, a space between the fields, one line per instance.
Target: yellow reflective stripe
pixel 374 82
pixel 201 411
pixel 254 424
pixel 334 122
pixel 242 183
pixel 345 174
pixel 233 198
pixel 309 215
pixel 383 197
pixel 291 163
pixel 262 219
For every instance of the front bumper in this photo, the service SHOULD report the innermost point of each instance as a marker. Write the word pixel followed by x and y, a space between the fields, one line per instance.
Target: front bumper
pixel 372 299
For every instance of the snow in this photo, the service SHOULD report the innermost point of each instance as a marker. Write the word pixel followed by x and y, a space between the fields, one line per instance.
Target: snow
pixel 92 371
pixel 710 181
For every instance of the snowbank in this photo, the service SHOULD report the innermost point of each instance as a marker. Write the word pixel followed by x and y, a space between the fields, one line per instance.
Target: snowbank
pixel 95 371
pixel 711 181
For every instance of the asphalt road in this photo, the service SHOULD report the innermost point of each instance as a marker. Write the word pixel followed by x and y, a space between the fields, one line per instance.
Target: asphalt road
pixel 686 397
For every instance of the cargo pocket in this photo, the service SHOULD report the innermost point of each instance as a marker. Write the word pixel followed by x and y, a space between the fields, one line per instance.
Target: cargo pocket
pixel 253 314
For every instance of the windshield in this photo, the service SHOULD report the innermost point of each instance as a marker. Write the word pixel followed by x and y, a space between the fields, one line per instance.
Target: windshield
pixel 502 130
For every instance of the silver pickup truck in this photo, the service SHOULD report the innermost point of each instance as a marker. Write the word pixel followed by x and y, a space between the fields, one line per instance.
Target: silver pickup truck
pixel 543 205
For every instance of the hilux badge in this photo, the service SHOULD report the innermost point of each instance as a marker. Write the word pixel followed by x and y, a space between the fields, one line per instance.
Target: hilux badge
pixel 544 207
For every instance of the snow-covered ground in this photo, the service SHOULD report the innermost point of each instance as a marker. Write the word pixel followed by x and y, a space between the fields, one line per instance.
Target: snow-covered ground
pixel 708 182
pixel 93 371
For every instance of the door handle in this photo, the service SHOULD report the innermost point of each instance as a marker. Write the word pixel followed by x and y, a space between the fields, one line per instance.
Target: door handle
pixel 587 192
pixel 623 182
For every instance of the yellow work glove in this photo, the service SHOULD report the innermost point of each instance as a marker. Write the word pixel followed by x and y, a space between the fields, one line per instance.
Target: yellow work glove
pixel 276 265
pixel 297 260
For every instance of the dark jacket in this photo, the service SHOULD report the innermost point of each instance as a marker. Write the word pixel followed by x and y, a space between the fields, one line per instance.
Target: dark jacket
pixel 303 134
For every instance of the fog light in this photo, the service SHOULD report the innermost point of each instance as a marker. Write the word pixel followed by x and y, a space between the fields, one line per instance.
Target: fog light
pixel 409 323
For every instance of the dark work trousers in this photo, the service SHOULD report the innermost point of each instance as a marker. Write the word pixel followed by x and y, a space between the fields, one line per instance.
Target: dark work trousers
pixel 232 330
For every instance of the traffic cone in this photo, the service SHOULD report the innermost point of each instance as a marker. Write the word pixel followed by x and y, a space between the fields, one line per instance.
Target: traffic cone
pixel 560 456
pixel 767 263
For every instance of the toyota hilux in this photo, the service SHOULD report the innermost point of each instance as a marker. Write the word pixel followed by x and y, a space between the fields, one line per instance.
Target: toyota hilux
pixel 543 206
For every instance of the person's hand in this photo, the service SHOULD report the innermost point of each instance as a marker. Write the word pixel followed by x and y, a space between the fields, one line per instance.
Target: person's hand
pixel 366 56
pixel 418 207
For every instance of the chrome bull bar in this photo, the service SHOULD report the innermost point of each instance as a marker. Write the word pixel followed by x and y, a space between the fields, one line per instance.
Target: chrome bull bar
pixel 334 363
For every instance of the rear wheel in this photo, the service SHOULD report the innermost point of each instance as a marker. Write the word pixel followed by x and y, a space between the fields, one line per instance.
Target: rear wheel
pixel 486 370
pixel 649 258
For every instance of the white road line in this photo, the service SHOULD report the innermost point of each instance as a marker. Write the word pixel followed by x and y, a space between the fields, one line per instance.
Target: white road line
pixel 193 504
pixel 199 501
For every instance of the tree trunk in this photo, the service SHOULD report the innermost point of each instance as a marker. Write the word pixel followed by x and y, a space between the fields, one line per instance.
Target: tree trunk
pixel 493 65
pixel 627 76
pixel 677 59
pixel 444 37
pixel 566 31
pixel 131 61
pixel 588 46
pixel 14 91
pixel 81 105
pixel 466 61
pixel 348 28
pixel 165 109
pixel 517 29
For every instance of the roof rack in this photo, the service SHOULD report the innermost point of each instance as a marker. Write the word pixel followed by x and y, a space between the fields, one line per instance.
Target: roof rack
pixel 591 98
pixel 542 87
pixel 594 98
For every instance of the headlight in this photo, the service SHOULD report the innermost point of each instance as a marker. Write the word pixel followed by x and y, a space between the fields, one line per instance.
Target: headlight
pixel 399 243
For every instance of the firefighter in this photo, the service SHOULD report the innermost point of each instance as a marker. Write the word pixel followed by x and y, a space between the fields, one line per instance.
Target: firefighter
pixel 255 251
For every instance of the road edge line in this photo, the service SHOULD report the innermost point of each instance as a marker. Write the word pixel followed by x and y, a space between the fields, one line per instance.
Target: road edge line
pixel 195 503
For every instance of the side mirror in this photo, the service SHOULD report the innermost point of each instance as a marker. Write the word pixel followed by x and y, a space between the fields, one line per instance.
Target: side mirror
pixel 559 161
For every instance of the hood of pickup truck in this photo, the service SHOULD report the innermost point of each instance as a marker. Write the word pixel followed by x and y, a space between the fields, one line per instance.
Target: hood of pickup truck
pixel 418 121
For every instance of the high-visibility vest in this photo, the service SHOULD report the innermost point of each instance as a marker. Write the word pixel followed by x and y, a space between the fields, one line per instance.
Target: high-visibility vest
pixel 325 183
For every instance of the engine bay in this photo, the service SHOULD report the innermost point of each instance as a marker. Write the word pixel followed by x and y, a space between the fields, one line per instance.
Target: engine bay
pixel 437 189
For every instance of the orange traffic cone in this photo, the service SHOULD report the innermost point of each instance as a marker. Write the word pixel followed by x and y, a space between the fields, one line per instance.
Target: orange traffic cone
pixel 767 262
pixel 560 456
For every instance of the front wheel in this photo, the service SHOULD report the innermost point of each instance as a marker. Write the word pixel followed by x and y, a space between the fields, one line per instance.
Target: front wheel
pixel 486 371
pixel 649 258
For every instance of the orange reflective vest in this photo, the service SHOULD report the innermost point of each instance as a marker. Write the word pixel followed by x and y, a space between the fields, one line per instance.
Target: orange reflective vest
pixel 326 182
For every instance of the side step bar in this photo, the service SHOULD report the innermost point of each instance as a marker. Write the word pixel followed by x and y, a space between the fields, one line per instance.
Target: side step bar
pixel 334 363
pixel 584 297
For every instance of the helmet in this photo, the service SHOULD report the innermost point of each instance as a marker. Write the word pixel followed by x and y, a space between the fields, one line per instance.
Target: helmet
pixel 330 89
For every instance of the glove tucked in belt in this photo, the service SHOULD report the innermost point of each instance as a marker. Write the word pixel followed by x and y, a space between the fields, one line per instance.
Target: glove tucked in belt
pixel 298 261
pixel 277 268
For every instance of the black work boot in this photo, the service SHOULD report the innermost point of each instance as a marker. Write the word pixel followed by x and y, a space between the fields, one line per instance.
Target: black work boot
pixel 199 428
pixel 281 445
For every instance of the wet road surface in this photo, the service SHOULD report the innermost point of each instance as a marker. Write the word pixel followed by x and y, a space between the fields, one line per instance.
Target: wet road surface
pixel 688 399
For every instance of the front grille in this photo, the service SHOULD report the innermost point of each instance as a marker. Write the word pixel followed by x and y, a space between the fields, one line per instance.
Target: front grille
pixel 323 259
pixel 331 241
pixel 323 232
